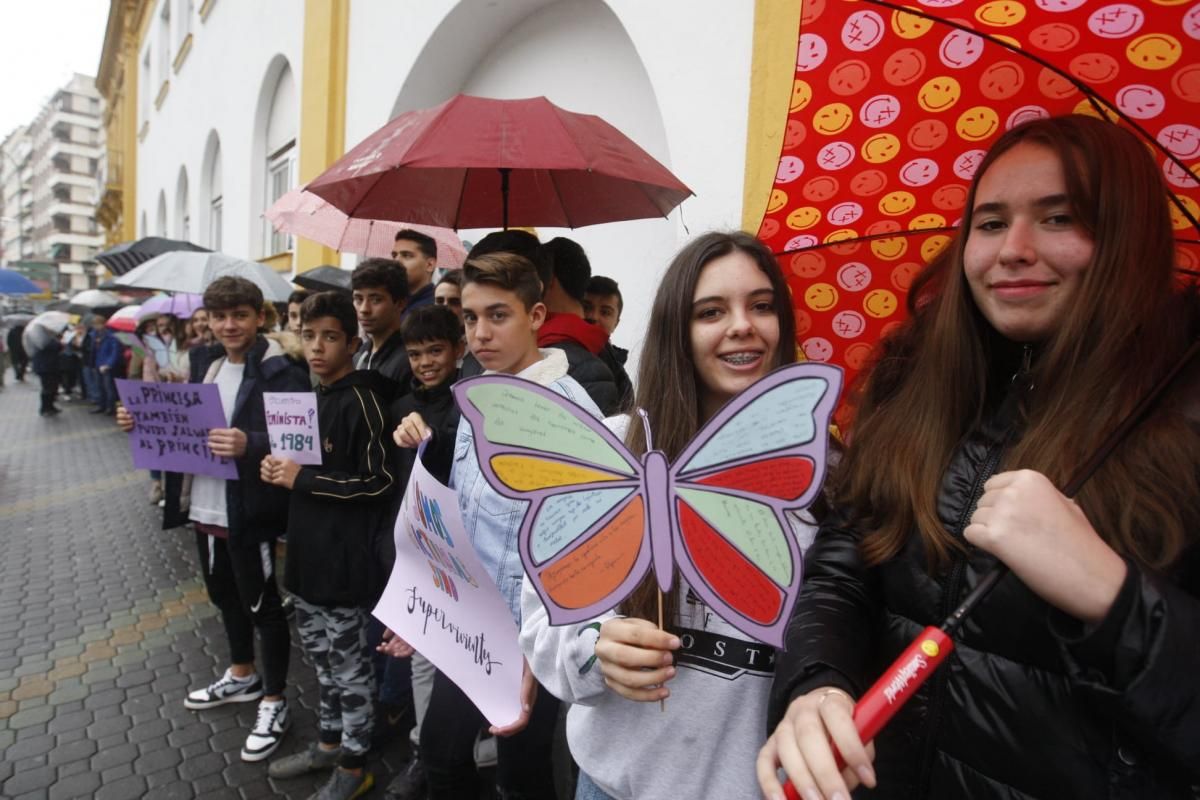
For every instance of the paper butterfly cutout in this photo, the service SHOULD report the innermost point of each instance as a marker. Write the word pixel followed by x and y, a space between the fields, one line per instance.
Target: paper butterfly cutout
pixel 599 517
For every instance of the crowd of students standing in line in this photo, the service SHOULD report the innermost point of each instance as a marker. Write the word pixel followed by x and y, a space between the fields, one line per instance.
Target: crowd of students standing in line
pixel 1076 678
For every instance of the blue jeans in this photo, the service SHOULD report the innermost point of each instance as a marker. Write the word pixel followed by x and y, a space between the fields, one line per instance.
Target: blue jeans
pixel 585 789
pixel 91 385
pixel 108 391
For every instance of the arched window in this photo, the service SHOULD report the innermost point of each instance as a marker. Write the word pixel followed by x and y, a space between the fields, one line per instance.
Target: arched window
pixel 183 216
pixel 281 153
pixel 160 221
pixel 211 205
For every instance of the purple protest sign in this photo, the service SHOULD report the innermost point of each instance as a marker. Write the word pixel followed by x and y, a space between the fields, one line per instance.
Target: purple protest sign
pixel 171 422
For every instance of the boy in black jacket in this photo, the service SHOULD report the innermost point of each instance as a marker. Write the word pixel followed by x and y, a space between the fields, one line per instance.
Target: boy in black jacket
pixel 237 521
pixel 338 511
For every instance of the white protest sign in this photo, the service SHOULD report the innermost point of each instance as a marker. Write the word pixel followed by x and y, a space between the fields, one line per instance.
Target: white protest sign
pixel 440 600
pixel 292 426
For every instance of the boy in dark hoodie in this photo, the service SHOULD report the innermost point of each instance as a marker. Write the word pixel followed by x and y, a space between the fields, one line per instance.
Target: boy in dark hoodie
pixel 337 513
pixel 433 339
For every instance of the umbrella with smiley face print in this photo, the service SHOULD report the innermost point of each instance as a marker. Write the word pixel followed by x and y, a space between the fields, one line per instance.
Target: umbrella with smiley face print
pixel 893 107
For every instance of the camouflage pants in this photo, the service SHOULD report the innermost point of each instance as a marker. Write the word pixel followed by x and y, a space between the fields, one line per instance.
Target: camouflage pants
pixel 336 640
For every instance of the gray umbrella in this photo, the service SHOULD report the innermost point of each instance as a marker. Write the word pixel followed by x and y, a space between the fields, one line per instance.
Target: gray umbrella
pixel 182 271
pixel 43 329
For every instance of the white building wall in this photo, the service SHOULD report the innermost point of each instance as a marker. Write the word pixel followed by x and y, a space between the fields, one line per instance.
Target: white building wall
pixel 219 87
pixel 673 77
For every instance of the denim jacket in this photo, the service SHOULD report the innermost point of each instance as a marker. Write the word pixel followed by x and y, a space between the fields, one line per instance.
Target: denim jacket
pixel 492 520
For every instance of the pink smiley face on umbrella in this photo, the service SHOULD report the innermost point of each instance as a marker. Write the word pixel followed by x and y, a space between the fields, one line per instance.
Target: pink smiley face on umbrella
pixel 854 276
pixel 1180 140
pixel 862 31
pixel 835 156
pixel 817 348
pixel 880 111
pixel 919 172
pixel 790 168
pixel 846 213
pixel 1140 101
pixel 811 52
pixel 1116 21
pixel 960 49
pixel 849 324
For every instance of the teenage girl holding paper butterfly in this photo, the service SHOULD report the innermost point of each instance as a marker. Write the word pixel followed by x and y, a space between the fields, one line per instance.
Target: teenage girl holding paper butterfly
pixel 722 319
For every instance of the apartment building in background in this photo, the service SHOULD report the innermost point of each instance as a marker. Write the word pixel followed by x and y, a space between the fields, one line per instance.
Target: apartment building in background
pixel 49 174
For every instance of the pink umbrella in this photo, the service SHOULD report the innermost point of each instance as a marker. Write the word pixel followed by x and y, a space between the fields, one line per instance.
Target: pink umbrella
pixel 181 305
pixel 305 214
pixel 124 319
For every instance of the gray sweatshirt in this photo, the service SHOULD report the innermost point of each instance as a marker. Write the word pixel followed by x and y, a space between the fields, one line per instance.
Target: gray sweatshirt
pixel 704 744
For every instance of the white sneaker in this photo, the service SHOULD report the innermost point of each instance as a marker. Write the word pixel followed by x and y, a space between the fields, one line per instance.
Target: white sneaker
pixel 269 727
pixel 227 689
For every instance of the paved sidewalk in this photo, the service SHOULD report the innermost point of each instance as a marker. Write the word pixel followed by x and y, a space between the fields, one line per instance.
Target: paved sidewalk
pixel 104 624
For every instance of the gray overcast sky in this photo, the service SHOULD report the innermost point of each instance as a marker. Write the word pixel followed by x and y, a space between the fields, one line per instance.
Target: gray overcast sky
pixel 42 42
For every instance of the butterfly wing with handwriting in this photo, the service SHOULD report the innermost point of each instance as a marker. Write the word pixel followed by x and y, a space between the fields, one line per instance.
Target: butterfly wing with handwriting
pixel 583 539
pixel 760 457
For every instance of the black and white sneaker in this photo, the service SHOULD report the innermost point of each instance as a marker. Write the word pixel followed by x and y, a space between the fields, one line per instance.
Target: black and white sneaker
pixel 267 734
pixel 227 689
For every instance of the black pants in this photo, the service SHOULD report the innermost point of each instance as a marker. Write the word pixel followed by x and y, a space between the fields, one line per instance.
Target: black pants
pixel 524 769
pixel 240 579
pixel 49 390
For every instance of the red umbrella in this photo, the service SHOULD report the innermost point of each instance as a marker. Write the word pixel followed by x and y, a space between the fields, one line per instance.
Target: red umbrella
pixel 893 106
pixel 475 162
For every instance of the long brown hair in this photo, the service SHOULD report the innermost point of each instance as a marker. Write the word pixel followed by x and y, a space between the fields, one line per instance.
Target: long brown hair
pixel 937 376
pixel 667 380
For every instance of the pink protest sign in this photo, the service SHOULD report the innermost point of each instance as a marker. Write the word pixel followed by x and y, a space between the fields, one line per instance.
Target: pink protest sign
pixel 171 422
pixel 600 518
pixel 292 426
pixel 440 600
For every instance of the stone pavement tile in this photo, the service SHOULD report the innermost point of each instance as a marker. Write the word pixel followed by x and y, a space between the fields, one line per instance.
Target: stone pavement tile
pixel 66 692
pixel 112 756
pixel 108 726
pixel 127 789
pixel 32 687
pixel 27 748
pixel 175 791
pixel 30 780
pixel 156 761
pixel 188 735
pixel 73 768
pixel 211 787
pixel 63 722
pixel 115 773
pixel 66 671
pixel 104 698
pixel 198 767
pixel 254 790
pixel 31 717
pixel 75 751
pixel 84 784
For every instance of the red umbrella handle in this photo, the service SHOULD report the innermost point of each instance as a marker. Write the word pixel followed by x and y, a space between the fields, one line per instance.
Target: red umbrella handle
pixel 901 680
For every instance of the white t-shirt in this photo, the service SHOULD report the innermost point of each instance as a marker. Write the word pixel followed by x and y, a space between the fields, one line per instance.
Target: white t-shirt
pixel 208 493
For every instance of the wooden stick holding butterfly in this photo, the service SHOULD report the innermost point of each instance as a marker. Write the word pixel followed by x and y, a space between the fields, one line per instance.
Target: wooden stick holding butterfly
pixel 600 518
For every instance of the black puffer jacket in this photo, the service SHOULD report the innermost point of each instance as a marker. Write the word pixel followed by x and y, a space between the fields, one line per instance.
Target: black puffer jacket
pixel 1030 704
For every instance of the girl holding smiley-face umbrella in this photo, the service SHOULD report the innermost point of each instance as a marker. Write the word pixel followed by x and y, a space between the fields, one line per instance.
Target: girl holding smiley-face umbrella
pixel 1033 336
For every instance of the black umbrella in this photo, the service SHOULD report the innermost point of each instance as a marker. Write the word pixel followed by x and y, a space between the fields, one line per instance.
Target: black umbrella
pixel 324 279
pixel 125 256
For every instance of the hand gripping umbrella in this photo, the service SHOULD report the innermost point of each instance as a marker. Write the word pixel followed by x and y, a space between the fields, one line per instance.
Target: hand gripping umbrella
pixel 893 106
pixel 921 659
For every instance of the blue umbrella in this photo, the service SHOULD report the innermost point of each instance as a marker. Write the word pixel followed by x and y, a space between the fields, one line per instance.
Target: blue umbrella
pixel 12 282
